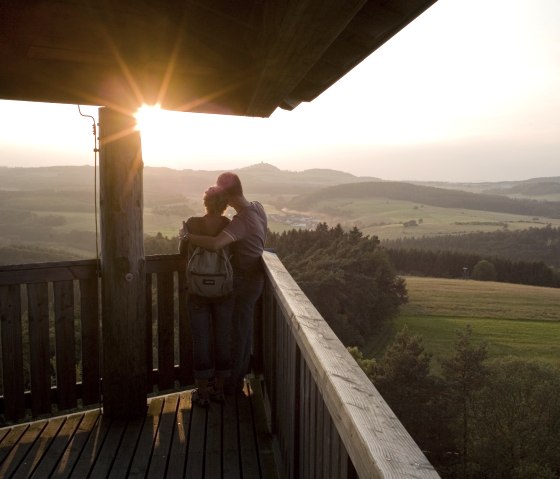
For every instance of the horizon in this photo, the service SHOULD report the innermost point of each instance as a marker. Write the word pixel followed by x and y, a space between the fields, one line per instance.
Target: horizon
pixel 454 97
pixel 402 180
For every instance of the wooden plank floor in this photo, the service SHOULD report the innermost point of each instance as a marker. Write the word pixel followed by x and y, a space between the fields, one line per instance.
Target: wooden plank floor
pixel 174 440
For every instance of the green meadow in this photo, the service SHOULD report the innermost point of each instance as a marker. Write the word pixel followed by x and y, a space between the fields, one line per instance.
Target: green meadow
pixel 516 320
pixel 384 218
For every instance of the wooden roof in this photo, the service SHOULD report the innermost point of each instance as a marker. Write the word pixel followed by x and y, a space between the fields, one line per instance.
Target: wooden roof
pixel 245 57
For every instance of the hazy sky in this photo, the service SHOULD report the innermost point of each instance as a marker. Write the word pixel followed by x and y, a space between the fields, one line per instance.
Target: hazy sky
pixel 469 91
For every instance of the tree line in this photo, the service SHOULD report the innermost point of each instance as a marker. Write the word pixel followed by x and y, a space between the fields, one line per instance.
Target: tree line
pixel 532 244
pixel 456 264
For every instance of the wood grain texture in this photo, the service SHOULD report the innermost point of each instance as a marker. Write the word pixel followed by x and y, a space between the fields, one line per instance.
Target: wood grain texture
pixel 77 444
pixel 38 308
pixel 185 335
pixel 296 30
pixel 87 444
pixel 91 353
pixel 166 374
pixel 377 443
pixel 181 437
pixel 43 272
pixel 16 455
pixel 56 450
pixel 40 447
pixel 164 438
pixel 65 343
pixel 123 274
pixel 145 445
pixel 12 352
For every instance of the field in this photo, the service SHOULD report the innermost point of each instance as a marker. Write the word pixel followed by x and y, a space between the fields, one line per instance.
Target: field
pixel 385 217
pixel 52 208
pixel 517 320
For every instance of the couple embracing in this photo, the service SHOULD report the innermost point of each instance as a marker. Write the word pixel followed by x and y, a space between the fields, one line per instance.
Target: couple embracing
pixel 222 327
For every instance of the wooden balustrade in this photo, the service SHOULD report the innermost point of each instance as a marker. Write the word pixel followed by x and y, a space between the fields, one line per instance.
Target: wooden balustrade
pixel 50 333
pixel 327 418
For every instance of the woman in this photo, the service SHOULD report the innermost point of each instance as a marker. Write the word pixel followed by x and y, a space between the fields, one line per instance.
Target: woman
pixel 210 317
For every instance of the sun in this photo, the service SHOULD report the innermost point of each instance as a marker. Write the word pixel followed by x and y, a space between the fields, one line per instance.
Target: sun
pixel 199 140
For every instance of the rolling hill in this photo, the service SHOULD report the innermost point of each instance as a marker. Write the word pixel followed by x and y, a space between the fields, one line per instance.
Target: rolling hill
pixel 427 195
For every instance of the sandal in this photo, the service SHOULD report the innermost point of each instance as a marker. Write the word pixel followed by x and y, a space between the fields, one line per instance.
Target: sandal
pixel 203 400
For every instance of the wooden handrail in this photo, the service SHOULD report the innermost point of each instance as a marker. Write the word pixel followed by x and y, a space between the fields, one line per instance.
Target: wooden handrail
pixel 316 391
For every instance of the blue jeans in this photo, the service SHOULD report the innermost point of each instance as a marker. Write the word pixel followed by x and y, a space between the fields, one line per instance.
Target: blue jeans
pixel 211 333
pixel 247 290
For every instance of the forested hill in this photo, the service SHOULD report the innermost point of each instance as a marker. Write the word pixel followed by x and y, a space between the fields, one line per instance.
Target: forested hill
pixel 261 178
pixel 533 244
pixel 427 195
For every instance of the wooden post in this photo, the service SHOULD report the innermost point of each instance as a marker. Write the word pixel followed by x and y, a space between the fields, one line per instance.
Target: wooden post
pixel 122 266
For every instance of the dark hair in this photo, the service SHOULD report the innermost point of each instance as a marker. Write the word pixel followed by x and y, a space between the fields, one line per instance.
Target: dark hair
pixel 215 200
pixel 230 183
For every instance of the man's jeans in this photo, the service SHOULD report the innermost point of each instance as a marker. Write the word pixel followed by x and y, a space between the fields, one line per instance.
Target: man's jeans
pixel 211 333
pixel 247 290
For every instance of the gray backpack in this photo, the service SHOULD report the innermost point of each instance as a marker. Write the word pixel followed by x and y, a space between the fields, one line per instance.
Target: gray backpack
pixel 209 273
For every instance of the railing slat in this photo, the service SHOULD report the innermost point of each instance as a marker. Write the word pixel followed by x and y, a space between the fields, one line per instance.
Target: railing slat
pixel 149 326
pixel 185 335
pixel 312 427
pixel 166 376
pixel 91 368
pixel 12 353
pixel 38 308
pixel 304 415
pixel 65 343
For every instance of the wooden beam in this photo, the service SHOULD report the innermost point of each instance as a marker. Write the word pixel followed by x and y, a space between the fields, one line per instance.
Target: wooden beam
pixel 295 36
pixel 123 266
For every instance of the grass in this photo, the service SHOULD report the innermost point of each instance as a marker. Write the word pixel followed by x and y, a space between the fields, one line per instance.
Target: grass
pixel 384 218
pixel 516 320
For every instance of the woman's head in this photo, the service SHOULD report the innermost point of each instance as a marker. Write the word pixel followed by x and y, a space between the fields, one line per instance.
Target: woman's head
pixel 215 200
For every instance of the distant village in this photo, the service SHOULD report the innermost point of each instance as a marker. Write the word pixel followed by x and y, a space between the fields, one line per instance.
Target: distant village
pixel 295 221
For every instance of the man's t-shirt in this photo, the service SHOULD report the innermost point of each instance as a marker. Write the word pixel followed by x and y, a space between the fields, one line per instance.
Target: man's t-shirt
pixel 248 231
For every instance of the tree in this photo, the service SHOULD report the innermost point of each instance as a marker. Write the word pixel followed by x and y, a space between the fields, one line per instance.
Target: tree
pixel 403 379
pixel 368 365
pixel 160 244
pixel 516 421
pixel 465 374
pixel 484 270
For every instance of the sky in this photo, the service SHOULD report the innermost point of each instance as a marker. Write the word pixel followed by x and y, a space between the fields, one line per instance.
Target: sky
pixel 468 92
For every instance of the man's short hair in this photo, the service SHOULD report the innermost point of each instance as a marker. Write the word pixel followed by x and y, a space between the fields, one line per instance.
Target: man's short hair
pixel 230 183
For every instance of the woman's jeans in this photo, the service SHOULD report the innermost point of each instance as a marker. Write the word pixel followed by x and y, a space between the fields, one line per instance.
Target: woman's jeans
pixel 247 290
pixel 211 333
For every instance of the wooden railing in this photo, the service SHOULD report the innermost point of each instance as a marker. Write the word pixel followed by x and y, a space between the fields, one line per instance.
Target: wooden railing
pixel 327 418
pixel 50 334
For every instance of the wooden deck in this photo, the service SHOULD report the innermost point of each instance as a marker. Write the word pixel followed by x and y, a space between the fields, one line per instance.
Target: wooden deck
pixel 173 440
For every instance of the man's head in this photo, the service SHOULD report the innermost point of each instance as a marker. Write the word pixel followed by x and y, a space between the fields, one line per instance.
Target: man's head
pixel 230 184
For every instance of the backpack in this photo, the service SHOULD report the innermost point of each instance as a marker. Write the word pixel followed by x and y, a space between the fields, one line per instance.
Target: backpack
pixel 209 273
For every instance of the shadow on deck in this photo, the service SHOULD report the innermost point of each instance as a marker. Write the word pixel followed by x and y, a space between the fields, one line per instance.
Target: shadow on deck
pixel 173 440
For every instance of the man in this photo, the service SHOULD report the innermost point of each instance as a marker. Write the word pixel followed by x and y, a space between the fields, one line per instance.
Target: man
pixel 247 232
